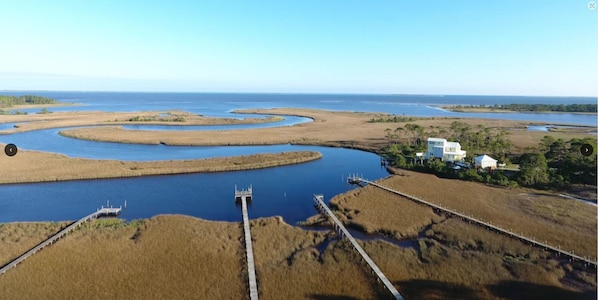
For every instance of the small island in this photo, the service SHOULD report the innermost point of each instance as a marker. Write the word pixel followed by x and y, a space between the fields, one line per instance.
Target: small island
pixel 14 103
pixel 10 101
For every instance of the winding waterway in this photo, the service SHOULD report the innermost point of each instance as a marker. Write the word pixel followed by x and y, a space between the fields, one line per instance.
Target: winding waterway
pixel 285 191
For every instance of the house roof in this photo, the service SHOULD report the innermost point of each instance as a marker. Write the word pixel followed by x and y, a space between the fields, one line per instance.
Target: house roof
pixel 484 158
pixel 436 139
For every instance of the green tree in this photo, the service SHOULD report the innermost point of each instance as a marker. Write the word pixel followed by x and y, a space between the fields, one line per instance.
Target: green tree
pixel 388 134
pixel 400 161
pixel 533 170
pixel 547 140
pixel 398 132
pixel 415 131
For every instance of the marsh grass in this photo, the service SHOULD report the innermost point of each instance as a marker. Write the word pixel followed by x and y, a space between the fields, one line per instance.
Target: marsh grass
pixel 340 129
pixel 458 260
pixel 81 118
pixel 545 217
pixel 33 166
pixel 166 257
pixel 176 257
pixel 17 238
pixel 290 266
pixel 373 211
pixel 180 257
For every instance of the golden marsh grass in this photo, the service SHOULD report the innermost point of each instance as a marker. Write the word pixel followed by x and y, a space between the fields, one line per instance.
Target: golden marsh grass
pixel 33 166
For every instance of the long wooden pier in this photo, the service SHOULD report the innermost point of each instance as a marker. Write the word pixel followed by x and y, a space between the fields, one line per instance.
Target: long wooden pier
pixel 343 232
pixel 104 211
pixel 356 180
pixel 243 196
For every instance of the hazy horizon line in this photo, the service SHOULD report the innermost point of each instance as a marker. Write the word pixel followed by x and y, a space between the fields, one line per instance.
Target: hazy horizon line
pixel 292 93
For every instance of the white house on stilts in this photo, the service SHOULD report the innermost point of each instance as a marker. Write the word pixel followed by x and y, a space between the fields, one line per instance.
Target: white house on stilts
pixel 446 151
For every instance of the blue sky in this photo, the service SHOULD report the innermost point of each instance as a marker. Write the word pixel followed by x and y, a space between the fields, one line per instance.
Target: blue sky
pixel 399 47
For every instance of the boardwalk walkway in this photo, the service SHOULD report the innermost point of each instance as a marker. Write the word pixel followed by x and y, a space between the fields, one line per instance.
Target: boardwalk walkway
pixel 323 208
pixel 479 222
pixel 253 295
pixel 100 212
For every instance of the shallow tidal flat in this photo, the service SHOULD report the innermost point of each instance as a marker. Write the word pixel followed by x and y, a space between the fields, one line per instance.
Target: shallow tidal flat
pixel 182 257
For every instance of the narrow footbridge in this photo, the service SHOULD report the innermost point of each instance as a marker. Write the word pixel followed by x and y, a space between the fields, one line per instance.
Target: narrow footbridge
pixel 343 232
pixel 558 251
pixel 243 196
pixel 104 211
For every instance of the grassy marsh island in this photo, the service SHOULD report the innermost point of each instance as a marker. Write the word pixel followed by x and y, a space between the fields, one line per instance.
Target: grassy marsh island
pixel 88 118
pixel 34 166
pixel 329 128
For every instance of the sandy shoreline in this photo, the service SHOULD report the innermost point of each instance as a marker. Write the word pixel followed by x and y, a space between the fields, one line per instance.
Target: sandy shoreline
pixel 26 106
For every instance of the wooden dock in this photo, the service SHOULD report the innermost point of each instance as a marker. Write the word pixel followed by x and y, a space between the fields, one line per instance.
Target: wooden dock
pixel 343 232
pixel 104 211
pixel 243 196
pixel 478 222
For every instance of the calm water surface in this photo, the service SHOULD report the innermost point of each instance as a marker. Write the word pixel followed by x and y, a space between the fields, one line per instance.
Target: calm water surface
pixel 286 191
pixel 222 104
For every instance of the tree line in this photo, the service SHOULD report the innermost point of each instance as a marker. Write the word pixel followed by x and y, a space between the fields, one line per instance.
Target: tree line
pixel 474 139
pixel 553 164
pixel 393 119
pixel 8 101
pixel 540 107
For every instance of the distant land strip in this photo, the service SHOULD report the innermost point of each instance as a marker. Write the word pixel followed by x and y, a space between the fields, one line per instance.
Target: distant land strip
pixel 8 101
pixel 33 166
pixel 518 107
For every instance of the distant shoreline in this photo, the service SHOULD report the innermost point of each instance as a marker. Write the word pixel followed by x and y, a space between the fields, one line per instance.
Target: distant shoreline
pixel 27 106
pixel 489 109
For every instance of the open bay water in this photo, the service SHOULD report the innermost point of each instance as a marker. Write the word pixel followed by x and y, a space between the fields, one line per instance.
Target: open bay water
pixel 221 104
pixel 282 191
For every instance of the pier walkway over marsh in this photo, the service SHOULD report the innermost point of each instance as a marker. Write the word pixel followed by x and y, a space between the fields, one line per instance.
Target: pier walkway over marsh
pixel 343 232
pixel 104 211
pixel 450 212
pixel 244 196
